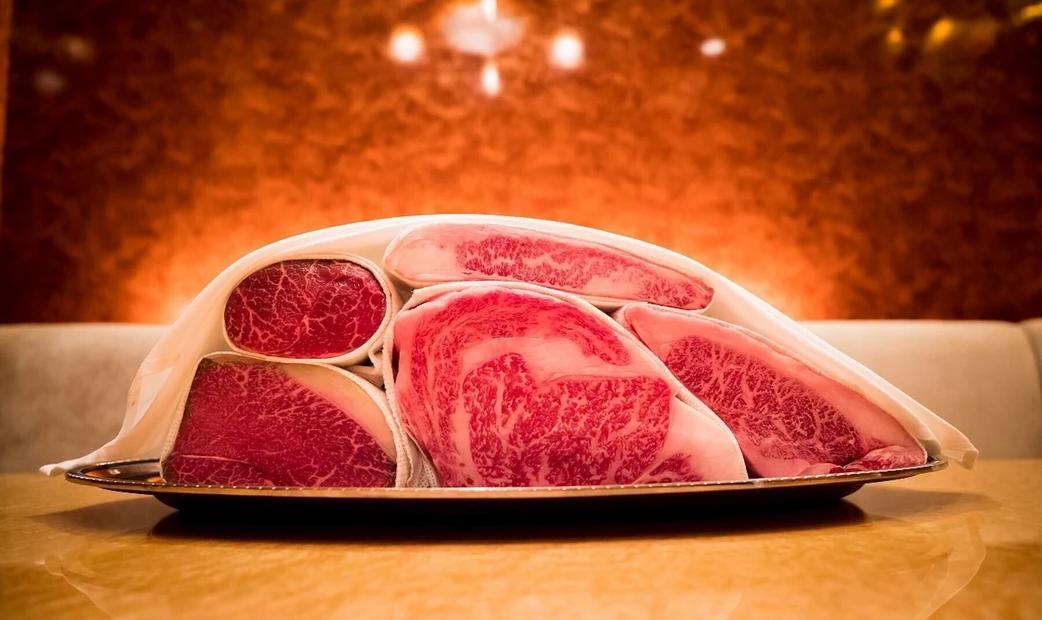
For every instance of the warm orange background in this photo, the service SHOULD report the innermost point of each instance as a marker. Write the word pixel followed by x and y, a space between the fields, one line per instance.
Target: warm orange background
pixel 872 158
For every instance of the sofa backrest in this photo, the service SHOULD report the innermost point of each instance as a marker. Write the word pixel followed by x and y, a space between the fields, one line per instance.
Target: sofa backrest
pixel 63 387
pixel 982 376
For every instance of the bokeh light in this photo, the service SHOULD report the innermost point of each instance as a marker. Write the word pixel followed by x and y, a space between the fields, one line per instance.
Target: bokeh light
pixel 940 32
pixel 1028 13
pixel 490 80
pixel 49 82
pixel 713 47
pixel 490 9
pixel 895 39
pixel 481 29
pixel 566 50
pixel 406 44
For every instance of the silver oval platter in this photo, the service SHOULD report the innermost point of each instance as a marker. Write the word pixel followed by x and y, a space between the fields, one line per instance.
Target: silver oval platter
pixel 142 477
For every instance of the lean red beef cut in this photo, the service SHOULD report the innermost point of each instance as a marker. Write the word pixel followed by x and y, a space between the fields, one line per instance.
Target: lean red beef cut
pixel 252 422
pixel 516 385
pixel 605 275
pixel 789 418
pixel 328 309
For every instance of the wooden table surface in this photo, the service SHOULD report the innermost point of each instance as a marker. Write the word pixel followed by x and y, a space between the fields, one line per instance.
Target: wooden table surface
pixel 953 543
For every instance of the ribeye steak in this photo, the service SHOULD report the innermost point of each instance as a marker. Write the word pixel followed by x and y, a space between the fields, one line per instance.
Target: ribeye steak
pixel 514 385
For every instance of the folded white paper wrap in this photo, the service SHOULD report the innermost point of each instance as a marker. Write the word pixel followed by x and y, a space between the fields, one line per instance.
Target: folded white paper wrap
pixel 167 370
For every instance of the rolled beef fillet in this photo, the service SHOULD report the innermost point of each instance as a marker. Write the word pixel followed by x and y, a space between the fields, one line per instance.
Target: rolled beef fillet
pixel 252 422
pixel 789 418
pixel 510 385
pixel 322 309
pixel 605 275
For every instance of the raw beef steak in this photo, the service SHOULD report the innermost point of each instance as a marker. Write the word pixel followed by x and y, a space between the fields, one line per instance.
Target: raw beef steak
pixel 306 309
pixel 789 418
pixel 251 422
pixel 607 276
pixel 513 385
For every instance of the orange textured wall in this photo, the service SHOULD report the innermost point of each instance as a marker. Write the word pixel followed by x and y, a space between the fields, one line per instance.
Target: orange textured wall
pixel 883 160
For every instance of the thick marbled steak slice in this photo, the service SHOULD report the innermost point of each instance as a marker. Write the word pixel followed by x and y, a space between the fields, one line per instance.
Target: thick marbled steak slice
pixel 512 386
pixel 250 422
pixel 305 309
pixel 789 418
pixel 606 275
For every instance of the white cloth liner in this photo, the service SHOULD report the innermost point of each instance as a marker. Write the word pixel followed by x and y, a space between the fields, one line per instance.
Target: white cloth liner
pixel 166 371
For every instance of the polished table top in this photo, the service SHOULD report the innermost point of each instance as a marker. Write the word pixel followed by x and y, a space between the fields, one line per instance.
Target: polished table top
pixel 954 543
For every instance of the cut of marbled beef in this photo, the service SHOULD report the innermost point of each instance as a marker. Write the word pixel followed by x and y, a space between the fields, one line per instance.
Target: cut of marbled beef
pixel 605 275
pixel 516 385
pixel 316 308
pixel 789 418
pixel 253 422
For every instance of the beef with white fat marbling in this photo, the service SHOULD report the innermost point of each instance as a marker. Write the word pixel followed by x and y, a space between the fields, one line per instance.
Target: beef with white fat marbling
pixel 605 275
pixel 514 386
pixel 789 418
pixel 315 308
pixel 252 422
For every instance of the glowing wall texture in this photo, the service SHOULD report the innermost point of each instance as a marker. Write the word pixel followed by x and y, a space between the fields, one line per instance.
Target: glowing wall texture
pixel 875 158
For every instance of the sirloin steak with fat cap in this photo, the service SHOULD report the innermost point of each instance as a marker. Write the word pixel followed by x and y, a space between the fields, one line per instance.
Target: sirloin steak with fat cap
pixel 607 276
pixel 251 422
pixel 789 419
pixel 513 385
